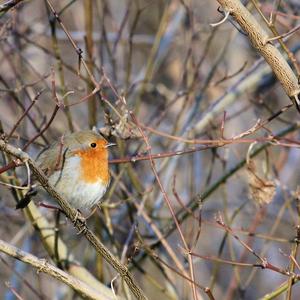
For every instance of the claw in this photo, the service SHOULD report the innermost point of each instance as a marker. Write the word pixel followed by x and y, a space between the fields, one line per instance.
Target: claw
pixel 82 220
pixel 82 230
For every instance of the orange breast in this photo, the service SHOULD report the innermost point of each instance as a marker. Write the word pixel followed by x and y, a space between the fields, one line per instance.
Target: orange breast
pixel 94 165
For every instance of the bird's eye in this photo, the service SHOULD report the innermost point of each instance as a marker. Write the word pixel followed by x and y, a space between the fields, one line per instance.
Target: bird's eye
pixel 93 145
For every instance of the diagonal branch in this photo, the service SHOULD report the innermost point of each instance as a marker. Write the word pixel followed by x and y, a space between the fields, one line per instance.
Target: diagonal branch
pixel 43 266
pixel 261 42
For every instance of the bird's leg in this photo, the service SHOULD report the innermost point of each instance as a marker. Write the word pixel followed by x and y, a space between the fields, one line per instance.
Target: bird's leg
pixel 79 217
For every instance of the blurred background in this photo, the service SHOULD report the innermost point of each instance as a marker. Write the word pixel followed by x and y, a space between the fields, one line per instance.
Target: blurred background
pixel 197 90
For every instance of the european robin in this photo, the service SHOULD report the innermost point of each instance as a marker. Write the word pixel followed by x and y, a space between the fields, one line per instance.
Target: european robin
pixel 77 166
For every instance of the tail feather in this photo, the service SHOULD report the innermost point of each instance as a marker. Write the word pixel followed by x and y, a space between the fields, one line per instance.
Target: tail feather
pixel 26 200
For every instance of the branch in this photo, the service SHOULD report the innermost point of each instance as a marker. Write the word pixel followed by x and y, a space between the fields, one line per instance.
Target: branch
pixel 43 266
pixel 57 248
pixel 260 41
pixel 6 6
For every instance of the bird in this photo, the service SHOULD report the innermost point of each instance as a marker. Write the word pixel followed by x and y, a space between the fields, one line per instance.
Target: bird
pixel 77 167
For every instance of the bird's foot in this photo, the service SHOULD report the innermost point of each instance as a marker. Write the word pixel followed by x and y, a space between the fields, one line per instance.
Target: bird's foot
pixel 79 218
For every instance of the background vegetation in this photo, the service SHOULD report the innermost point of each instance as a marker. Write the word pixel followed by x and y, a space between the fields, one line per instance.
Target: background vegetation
pixel 204 201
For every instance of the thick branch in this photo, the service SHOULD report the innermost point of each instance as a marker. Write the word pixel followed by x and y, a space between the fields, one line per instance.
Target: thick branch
pixel 43 266
pixel 260 41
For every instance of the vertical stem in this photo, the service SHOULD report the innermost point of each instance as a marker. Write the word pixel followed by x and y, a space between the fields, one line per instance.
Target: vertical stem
pixel 292 263
pixel 59 66
pixel 89 43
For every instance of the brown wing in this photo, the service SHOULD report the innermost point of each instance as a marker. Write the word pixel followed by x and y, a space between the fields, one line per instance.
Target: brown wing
pixel 50 160
pixel 53 158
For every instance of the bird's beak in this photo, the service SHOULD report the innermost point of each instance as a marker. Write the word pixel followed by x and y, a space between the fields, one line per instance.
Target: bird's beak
pixel 110 144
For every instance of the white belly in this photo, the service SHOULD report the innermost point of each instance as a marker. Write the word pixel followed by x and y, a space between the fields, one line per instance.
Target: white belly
pixel 70 186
